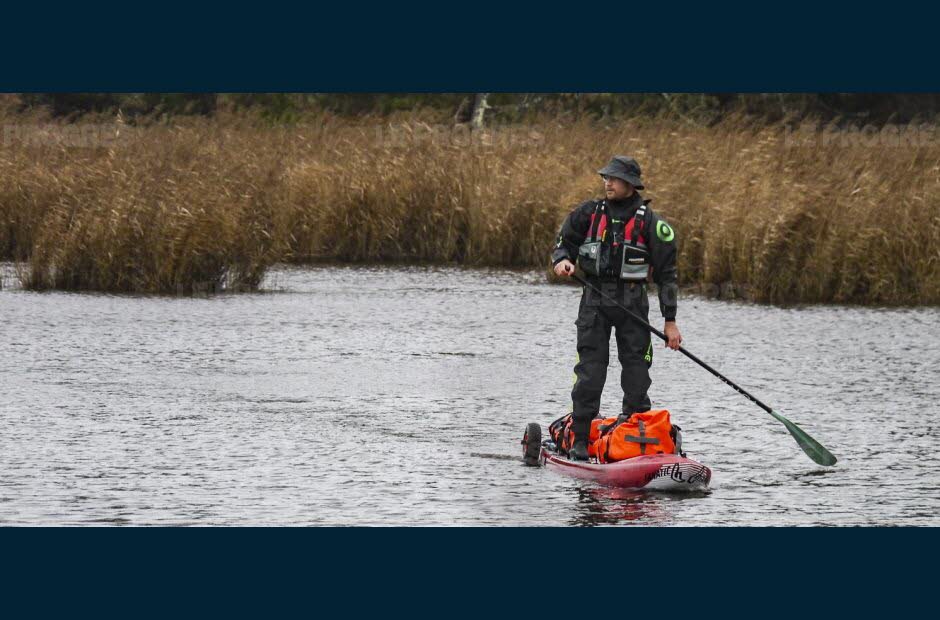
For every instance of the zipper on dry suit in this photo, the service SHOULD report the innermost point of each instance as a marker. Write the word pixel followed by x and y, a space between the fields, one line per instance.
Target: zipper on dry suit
pixel 615 244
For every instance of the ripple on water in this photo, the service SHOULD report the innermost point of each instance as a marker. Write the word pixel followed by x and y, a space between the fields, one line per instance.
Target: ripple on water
pixel 399 396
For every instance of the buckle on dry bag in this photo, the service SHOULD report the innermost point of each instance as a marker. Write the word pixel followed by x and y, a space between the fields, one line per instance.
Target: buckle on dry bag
pixel 642 439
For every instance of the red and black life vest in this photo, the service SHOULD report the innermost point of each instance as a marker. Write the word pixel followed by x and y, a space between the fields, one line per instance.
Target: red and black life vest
pixel 608 252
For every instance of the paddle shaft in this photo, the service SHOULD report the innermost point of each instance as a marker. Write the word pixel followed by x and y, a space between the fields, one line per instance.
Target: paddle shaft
pixel 813 449
pixel 663 336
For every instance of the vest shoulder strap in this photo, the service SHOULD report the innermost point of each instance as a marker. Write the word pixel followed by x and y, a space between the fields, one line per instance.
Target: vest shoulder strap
pixel 599 207
pixel 639 221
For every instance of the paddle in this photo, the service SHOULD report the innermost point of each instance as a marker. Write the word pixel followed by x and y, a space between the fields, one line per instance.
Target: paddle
pixel 810 446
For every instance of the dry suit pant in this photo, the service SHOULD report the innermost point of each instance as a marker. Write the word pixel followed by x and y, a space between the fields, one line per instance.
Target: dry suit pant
pixel 596 317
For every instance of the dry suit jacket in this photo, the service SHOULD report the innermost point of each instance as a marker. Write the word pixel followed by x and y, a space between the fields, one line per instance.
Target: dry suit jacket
pixel 660 240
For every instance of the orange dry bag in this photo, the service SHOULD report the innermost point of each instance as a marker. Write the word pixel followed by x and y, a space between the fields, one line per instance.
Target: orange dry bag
pixel 563 436
pixel 644 433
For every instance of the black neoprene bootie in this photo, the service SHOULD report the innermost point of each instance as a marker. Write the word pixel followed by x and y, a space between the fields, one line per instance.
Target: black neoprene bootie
pixel 578 451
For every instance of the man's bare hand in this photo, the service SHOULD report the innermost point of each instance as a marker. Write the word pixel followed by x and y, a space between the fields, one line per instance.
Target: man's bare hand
pixel 672 333
pixel 564 268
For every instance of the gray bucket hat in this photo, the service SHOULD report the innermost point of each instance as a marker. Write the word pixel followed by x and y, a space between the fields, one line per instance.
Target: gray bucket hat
pixel 623 168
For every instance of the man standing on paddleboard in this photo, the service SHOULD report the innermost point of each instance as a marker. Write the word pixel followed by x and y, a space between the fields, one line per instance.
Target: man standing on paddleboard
pixel 619 243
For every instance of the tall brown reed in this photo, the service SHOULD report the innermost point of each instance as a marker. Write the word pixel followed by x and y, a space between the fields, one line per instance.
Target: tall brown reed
pixel 218 201
pixel 170 210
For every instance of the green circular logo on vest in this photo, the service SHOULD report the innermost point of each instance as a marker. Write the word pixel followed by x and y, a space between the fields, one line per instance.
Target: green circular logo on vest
pixel 665 232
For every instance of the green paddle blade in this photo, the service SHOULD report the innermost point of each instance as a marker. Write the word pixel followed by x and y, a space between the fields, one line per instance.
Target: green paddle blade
pixel 811 447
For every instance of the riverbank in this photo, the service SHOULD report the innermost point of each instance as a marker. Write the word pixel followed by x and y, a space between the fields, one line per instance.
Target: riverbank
pixel 806 216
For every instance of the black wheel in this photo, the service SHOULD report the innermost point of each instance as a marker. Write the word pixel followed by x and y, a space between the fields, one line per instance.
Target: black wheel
pixel 532 444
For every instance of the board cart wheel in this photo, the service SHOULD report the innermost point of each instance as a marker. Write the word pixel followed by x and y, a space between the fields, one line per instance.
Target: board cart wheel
pixel 532 444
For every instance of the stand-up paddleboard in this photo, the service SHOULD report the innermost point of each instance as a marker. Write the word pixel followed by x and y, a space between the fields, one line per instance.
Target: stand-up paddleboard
pixel 657 472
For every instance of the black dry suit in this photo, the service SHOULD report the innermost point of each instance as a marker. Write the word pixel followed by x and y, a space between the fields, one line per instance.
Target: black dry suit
pixel 617 244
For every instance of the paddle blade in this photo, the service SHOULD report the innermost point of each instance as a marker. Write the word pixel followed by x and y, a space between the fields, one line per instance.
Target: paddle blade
pixel 811 447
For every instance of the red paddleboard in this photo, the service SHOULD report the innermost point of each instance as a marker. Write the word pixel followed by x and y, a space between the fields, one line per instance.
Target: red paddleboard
pixel 658 472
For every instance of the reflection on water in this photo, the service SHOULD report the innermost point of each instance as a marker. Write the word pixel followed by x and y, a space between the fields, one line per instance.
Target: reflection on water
pixel 600 506
pixel 605 506
pixel 398 396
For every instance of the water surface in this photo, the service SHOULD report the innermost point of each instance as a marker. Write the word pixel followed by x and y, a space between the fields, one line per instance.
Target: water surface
pixel 398 396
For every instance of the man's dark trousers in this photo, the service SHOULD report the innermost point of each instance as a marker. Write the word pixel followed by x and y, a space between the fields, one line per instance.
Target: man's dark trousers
pixel 596 317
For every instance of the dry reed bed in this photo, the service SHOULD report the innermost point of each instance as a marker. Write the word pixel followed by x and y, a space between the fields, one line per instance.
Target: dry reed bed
pixel 215 203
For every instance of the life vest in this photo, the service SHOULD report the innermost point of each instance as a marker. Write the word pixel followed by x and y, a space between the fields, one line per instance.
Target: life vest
pixel 607 252
pixel 650 432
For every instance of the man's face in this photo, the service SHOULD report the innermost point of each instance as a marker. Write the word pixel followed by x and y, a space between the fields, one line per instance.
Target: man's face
pixel 617 189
